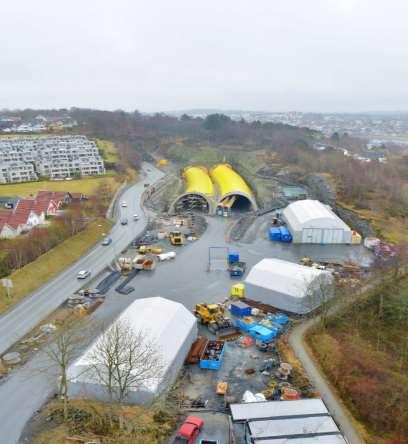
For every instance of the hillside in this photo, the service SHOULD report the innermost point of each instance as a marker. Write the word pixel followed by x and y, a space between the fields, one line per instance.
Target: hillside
pixel 364 353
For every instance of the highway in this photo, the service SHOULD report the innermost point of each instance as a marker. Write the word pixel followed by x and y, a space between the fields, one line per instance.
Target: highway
pixel 25 390
pixel 25 315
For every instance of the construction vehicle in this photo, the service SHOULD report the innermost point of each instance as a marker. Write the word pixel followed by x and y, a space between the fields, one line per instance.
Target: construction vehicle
pixel 237 269
pixel 212 315
pixel 176 238
pixel 206 313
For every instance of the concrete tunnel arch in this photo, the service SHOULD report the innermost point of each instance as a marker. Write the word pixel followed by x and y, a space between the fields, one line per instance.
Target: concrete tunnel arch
pixel 231 185
pixel 199 192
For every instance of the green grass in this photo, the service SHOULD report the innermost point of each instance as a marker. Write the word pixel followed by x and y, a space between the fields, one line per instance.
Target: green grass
pixel 85 185
pixel 108 149
pixel 48 265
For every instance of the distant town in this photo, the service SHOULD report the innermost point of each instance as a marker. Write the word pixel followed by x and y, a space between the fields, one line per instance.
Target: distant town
pixel 378 128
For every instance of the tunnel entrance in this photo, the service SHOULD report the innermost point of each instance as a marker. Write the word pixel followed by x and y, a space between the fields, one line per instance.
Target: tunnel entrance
pixel 234 202
pixel 192 202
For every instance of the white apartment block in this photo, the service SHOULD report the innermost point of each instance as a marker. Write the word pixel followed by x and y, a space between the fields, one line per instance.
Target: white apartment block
pixel 49 156
pixel 17 171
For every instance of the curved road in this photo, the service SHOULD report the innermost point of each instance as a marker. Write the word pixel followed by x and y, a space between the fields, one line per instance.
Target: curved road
pixel 338 411
pixel 25 315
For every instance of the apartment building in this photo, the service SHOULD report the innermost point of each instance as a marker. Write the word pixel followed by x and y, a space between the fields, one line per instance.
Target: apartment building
pixel 49 156
pixel 17 171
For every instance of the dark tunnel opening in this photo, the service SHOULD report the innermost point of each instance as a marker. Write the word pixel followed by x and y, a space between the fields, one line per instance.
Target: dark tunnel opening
pixel 192 202
pixel 241 203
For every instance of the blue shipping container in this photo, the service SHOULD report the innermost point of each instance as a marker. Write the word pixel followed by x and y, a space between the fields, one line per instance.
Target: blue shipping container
pixel 285 234
pixel 275 234
pixel 240 309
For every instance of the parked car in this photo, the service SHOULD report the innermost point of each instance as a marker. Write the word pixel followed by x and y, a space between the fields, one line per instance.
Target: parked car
pixel 135 217
pixel 189 430
pixel 83 274
pixel 107 241
pixel 124 221
pixel 124 204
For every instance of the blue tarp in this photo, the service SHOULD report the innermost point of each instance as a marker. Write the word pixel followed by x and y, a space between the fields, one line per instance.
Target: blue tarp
pixel 261 333
pixel 240 309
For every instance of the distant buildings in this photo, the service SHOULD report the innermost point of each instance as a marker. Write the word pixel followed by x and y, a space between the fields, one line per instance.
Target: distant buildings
pixel 56 157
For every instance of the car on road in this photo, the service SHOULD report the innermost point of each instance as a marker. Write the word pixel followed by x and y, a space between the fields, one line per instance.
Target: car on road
pixel 135 217
pixel 83 274
pixel 124 204
pixel 107 241
pixel 189 430
pixel 124 221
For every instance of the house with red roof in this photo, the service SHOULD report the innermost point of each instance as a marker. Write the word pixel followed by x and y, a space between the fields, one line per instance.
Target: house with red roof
pixel 6 230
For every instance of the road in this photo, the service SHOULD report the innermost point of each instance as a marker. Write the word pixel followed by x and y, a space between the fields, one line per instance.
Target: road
pixel 25 315
pixel 27 388
pixel 338 411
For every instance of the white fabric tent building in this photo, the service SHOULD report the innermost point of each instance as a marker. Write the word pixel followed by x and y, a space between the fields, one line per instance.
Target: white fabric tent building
pixel 172 328
pixel 304 421
pixel 288 286
pixel 311 222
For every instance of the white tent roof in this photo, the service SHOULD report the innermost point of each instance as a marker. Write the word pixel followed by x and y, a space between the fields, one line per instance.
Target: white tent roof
pixel 273 409
pixel 283 277
pixel 311 214
pixel 319 439
pixel 165 322
pixel 279 428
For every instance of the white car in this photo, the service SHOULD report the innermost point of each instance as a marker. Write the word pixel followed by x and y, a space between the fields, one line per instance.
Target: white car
pixel 83 274
pixel 135 217
pixel 124 204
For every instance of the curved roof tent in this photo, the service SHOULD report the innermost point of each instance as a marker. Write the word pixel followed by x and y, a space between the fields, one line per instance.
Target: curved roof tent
pixel 231 184
pixel 199 191
pixel 288 286
pixel 310 221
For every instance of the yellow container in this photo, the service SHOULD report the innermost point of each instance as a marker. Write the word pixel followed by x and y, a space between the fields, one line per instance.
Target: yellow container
pixel 355 238
pixel 238 291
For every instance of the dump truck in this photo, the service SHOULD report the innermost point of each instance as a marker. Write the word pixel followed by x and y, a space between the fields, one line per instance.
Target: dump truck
pixel 176 238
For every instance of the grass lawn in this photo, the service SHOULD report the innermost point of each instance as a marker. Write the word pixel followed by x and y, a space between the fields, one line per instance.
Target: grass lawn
pixel 35 274
pixel 108 148
pixel 85 185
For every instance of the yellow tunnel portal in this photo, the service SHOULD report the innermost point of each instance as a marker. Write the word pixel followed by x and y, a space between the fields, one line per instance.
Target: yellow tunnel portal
pixel 199 191
pixel 234 193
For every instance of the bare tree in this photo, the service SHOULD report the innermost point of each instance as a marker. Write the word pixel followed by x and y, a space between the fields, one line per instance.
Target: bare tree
pixel 123 360
pixel 61 353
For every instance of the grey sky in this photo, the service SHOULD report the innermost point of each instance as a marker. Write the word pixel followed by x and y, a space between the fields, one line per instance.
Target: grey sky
pixel 306 55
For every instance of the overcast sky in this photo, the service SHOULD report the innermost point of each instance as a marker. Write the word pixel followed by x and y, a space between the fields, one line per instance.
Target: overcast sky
pixel 151 55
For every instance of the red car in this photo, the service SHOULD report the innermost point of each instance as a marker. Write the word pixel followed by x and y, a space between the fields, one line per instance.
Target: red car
pixel 189 430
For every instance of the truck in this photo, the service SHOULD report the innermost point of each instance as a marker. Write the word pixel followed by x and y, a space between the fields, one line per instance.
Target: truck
pixel 237 269
pixel 212 355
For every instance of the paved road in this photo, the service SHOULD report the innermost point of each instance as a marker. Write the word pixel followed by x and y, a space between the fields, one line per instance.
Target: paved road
pixel 19 320
pixel 26 389
pixel 296 340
